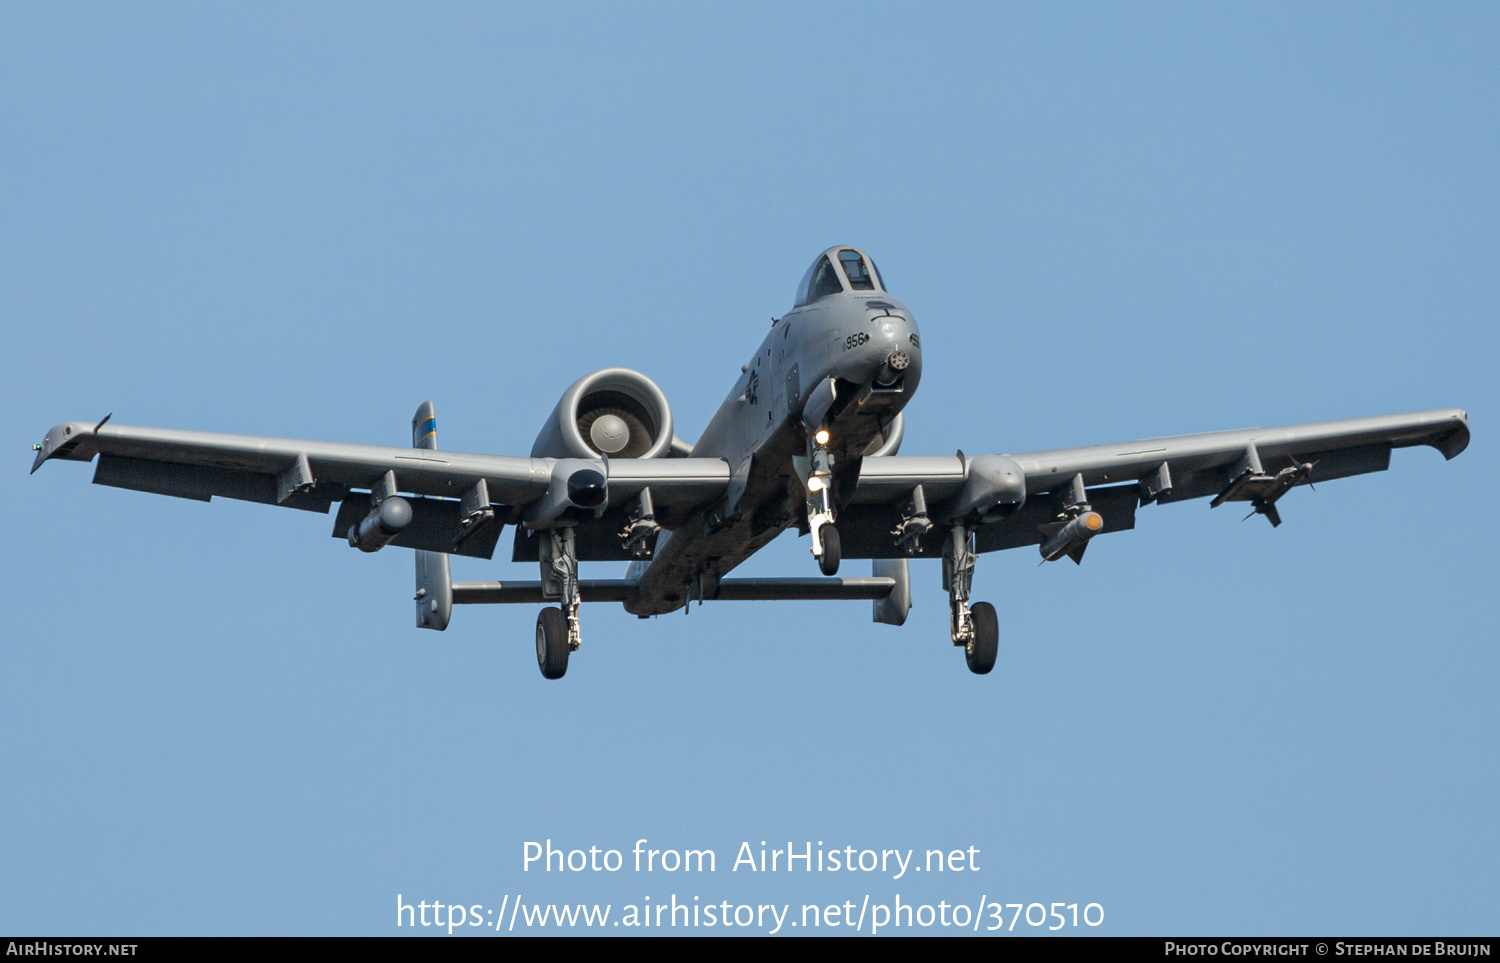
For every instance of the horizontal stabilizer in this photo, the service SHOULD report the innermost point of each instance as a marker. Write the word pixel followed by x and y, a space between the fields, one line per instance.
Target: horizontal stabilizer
pixel 729 590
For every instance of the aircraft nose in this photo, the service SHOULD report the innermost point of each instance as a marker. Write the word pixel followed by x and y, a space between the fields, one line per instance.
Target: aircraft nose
pixel 894 345
pixel 890 328
pixel 871 344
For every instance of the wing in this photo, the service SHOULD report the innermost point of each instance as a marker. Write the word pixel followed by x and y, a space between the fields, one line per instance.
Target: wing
pixel 1257 465
pixel 312 475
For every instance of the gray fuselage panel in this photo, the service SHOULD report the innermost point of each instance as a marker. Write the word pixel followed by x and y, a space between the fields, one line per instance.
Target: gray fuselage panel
pixel 758 430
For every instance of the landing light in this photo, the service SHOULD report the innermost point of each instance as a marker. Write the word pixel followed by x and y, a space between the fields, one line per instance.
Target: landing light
pixel 815 484
pixel 822 436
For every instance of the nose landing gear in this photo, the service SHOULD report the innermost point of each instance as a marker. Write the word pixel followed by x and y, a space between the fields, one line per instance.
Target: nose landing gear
pixel 828 559
pixel 820 513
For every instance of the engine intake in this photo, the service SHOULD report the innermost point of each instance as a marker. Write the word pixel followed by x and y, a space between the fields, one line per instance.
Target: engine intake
pixel 615 412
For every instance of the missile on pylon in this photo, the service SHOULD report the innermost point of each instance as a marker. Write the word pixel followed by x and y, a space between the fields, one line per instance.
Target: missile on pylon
pixel 1073 537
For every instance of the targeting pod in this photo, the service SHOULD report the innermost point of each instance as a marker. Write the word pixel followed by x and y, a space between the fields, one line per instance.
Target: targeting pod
pixel 385 522
pixel 1073 537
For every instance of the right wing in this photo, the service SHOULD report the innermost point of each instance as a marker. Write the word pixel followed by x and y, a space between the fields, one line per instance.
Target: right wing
pixel 1122 476
pixel 312 475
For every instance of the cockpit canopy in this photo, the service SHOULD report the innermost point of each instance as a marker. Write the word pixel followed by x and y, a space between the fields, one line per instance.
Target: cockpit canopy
pixel 837 270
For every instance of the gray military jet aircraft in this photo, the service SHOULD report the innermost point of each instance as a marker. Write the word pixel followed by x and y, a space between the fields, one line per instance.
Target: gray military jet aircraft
pixel 807 437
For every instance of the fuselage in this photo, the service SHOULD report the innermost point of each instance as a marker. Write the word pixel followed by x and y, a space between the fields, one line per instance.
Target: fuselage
pixel 849 336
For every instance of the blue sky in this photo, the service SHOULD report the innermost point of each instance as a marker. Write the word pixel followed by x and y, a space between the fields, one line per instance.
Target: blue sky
pixel 1110 223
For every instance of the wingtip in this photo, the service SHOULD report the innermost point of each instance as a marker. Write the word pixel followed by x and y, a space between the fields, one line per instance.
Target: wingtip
pixel 43 452
pixel 1454 442
pixel 73 440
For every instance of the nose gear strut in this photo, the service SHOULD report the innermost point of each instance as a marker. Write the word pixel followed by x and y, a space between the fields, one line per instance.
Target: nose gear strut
pixel 820 511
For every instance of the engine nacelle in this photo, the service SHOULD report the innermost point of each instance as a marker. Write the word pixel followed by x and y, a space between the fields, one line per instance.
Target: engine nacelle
pixel 615 412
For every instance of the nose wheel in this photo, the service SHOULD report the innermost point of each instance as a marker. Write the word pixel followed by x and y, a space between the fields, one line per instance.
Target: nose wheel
pixel 820 512
pixel 828 561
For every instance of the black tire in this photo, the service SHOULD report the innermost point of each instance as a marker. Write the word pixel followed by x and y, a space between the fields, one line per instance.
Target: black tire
pixel 981 653
pixel 829 563
pixel 552 643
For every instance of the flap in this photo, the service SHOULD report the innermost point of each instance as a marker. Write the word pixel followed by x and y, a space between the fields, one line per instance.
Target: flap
pixel 595 540
pixel 865 530
pixel 202 483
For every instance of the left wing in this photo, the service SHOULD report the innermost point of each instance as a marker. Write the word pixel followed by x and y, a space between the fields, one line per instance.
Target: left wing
pixel 1257 465
pixel 312 475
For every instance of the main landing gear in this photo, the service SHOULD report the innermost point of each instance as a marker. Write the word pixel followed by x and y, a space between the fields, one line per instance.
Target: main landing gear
pixel 557 629
pixel 552 649
pixel 976 627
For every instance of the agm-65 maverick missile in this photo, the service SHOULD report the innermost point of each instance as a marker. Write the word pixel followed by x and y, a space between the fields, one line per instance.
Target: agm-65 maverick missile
pixel 1073 537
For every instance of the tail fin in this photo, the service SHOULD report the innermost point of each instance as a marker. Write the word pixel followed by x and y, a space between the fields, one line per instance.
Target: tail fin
pixel 893 608
pixel 434 581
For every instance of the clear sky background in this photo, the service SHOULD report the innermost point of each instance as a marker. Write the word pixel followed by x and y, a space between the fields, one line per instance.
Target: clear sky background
pixel 1110 222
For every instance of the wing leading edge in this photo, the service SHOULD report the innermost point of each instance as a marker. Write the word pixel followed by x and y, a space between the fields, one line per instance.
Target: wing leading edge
pixel 312 475
pixel 1256 465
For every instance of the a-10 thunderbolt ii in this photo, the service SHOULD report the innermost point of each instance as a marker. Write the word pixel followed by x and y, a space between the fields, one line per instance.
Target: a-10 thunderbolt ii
pixel 808 437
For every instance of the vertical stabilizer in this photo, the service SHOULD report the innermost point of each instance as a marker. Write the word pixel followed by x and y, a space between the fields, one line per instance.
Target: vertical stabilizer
pixel 893 608
pixel 434 582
